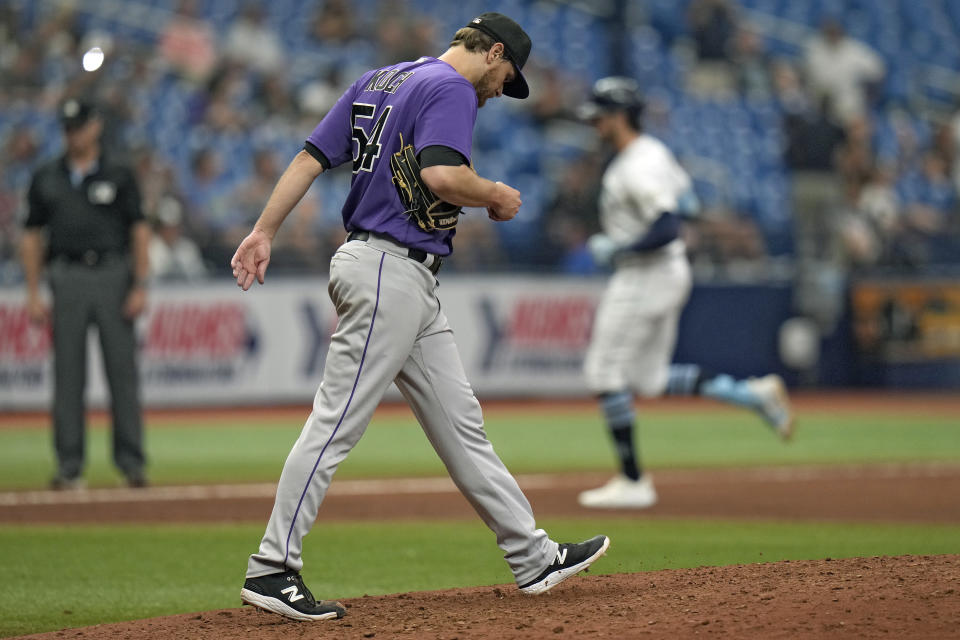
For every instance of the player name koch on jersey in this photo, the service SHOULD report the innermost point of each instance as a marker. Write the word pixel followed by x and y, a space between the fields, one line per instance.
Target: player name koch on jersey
pixel 387 80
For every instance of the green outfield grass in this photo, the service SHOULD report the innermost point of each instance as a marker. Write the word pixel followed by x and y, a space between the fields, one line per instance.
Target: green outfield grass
pixel 99 574
pixel 56 577
pixel 213 449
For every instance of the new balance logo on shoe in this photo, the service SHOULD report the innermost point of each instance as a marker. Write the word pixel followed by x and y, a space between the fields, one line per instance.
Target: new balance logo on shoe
pixel 292 594
pixel 572 558
pixel 284 593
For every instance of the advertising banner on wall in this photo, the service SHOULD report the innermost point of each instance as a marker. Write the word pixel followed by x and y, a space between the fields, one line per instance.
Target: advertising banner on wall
pixel 907 321
pixel 215 345
pixel 201 345
pixel 523 336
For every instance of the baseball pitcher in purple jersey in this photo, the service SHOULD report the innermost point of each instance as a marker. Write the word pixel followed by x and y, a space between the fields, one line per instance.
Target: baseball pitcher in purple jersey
pixel 391 328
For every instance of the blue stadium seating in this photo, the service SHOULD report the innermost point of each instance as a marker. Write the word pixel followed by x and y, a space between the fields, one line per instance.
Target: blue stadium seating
pixel 744 136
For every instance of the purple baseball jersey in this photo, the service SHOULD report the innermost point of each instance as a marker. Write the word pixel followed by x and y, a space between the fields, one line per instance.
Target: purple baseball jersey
pixel 427 103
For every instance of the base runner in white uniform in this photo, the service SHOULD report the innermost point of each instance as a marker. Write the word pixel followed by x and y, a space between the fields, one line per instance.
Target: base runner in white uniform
pixel 391 326
pixel 644 194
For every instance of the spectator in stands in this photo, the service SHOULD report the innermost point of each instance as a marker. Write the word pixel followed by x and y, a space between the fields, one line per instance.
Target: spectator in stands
pixel 19 157
pixel 152 178
pixel 843 69
pixel 401 38
pixel 223 103
pixel 424 37
pixel 274 105
pixel 812 140
pixel 909 148
pixel 204 183
pixel 751 65
pixel 953 127
pixel 944 145
pixel 205 192
pixel 56 41
pixel 933 203
pixel 854 156
pixel 571 217
pixel 21 68
pixel 554 94
pixel 878 200
pixel 273 101
pixel 173 256
pixel 333 23
pixel 927 230
pixel 294 247
pixel 14 177
pixel 318 96
pixel 712 25
pixel 720 236
pixel 482 251
pixel 117 112
pixel 188 43
pixel 9 31
pixel 788 88
pixel 867 228
pixel 252 42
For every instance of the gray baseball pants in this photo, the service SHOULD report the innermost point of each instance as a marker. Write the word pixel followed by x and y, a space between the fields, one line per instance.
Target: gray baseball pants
pixel 84 296
pixel 391 329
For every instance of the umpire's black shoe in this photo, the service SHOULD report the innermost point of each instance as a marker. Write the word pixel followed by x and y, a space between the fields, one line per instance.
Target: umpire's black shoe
pixel 572 558
pixel 137 480
pixel 285 593
pixel 67 483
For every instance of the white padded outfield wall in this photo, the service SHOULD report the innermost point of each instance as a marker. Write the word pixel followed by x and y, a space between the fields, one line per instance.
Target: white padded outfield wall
pixel 214 345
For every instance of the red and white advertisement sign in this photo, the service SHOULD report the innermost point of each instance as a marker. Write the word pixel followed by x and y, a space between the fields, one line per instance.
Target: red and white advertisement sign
pixel 213 345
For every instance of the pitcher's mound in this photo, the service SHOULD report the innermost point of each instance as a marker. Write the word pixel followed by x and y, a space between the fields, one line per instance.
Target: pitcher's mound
pixel 881 597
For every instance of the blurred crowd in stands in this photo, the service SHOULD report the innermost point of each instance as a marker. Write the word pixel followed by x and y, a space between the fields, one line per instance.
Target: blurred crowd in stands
pixel 809 153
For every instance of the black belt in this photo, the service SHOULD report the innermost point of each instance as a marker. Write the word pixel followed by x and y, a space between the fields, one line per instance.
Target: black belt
pixel 419 255
pixel 90 257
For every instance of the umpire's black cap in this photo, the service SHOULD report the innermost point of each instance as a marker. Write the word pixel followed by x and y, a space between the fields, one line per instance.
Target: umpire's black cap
pixel 613 93
pixel 516 42
pixel 76 112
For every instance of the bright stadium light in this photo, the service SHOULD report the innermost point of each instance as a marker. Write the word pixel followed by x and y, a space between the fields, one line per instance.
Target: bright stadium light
pixel 92 59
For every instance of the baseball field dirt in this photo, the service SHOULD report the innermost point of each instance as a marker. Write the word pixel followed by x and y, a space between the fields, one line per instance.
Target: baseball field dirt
pixel 889 597
pixel 882 597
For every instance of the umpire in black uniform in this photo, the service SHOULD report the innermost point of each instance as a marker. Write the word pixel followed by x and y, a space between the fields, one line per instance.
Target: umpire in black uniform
pixel 86 225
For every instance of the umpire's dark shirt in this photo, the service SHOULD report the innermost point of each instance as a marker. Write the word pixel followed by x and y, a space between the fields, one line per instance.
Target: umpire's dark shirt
pixel 94 216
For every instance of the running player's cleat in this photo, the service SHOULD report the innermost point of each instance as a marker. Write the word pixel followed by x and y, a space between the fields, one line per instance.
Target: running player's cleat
pixel 285 594
pixel 572 558
pixel 774 403
pixel 621 493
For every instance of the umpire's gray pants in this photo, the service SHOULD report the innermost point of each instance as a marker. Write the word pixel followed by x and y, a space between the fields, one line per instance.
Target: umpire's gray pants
pixel 85 296
pixel 391 329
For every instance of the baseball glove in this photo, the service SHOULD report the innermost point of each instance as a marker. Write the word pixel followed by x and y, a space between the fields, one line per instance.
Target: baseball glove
pixel 430 212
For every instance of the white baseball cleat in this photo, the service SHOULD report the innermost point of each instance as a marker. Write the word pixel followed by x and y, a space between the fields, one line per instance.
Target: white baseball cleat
pixel 774 404
pixel 621 493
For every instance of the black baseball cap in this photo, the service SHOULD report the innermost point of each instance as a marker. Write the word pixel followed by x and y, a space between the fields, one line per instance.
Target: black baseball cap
pixel 76 112
pixel 516 42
